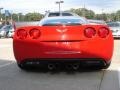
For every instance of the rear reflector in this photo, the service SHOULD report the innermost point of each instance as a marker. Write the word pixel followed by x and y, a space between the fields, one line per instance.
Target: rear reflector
pixel 103 32
pixel 89 32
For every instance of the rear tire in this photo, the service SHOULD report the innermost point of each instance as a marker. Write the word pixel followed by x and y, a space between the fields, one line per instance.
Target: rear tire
pixel 106 66
pixel 102 67
pixel 22 66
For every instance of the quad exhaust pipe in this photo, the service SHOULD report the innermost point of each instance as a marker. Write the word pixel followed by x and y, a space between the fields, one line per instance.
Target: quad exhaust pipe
pixel 69 66
pixel 51 66
pixel 75 66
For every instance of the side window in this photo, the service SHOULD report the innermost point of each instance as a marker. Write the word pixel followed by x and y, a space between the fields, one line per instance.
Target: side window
pixel 67 14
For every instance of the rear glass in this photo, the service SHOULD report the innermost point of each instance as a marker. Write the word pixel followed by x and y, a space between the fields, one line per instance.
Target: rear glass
pixel 67 14
pixel 53 14
pixel 62 21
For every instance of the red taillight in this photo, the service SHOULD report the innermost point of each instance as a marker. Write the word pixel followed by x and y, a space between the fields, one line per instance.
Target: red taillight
pixel 89 32
pixel 103 32
pixel 34 33
pixel 21 34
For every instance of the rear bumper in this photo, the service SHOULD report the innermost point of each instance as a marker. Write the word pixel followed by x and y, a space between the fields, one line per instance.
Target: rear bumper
pixel 25 50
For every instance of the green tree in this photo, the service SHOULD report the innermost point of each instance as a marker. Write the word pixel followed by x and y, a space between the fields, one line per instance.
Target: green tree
pixel 15 17
pixel 83 12
pixel 118 15
pixel 33 17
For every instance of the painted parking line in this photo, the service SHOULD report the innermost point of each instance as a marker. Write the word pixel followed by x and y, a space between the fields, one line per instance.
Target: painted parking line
pixel 7 64
pixel 119 76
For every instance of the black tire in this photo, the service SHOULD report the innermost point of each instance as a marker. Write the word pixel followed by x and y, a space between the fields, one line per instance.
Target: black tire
pixel 106 66
pixel 101 66
pixel 22 66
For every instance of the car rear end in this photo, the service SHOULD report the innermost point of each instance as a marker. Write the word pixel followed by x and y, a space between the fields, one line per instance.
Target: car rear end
pixel 91 44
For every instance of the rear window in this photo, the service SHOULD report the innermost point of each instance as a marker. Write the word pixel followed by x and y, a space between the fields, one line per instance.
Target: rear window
pixel 67 14
pixel 62 21
pixel 59 14
pixel 53 14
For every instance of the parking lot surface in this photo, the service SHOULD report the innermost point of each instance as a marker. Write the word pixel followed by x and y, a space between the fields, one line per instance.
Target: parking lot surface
pixel 12 78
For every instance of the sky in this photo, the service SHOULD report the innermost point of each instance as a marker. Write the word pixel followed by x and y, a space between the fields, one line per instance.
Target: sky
pixel 26 6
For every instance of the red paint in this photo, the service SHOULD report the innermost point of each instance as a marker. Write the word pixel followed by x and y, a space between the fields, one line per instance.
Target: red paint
pixel 63 42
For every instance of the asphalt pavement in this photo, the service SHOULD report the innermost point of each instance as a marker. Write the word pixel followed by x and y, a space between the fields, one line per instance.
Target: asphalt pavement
pixel 12 78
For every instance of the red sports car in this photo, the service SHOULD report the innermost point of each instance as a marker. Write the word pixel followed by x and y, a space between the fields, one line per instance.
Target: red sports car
pixel 68 41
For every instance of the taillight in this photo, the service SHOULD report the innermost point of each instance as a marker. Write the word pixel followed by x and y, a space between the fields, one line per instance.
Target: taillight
pixel 34 33
pixel 21 34
pixel 103 32
pixel 89 32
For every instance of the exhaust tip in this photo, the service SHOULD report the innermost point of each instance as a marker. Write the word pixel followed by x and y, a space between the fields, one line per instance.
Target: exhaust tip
pixel 75 66
pixel 51 66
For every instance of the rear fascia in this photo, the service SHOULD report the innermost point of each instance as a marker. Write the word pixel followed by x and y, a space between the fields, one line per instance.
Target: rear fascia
pixel 74 40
